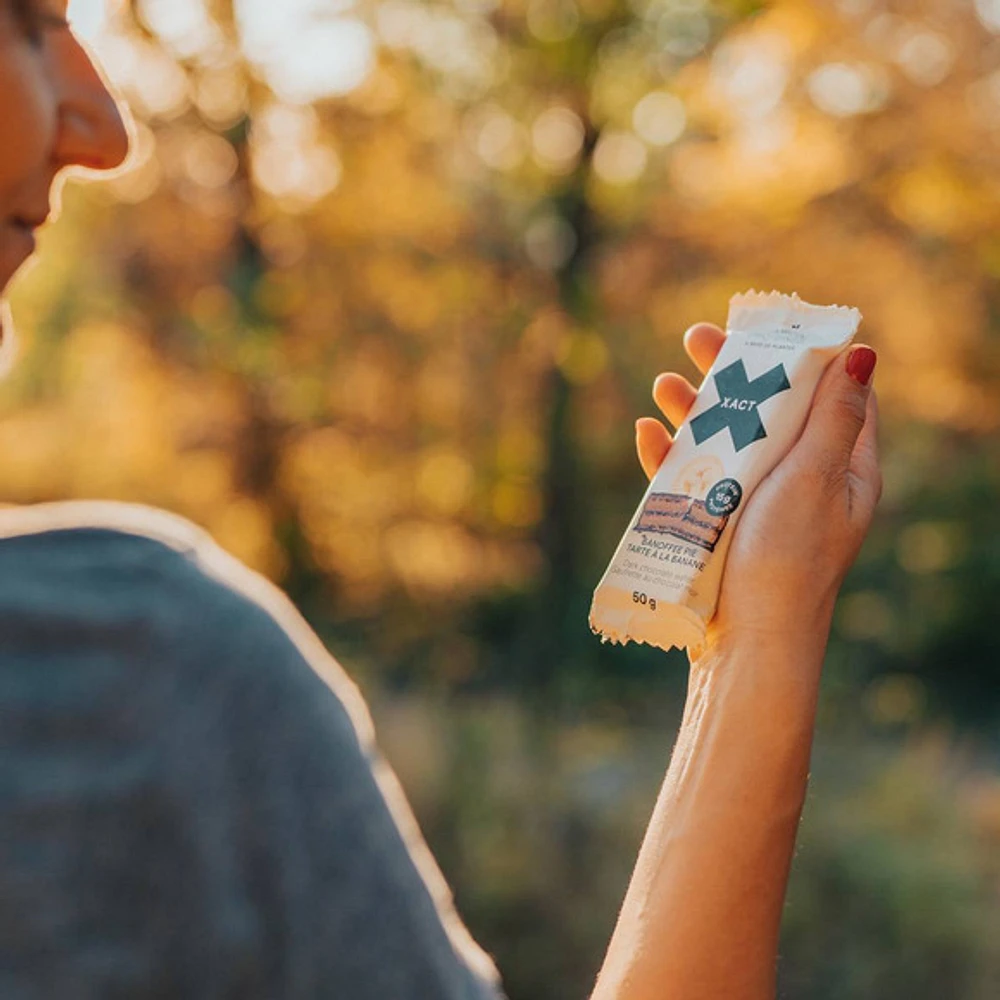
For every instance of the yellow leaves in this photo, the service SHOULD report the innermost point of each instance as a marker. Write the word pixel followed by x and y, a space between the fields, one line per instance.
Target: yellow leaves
pixel 659 117
pixel 801 23
pixel 281 293
pixel 774 169
pixel 31 455
pixel 244 527
pixel 517 503
pixel 388 193
pixel 408 296
pixel 620 157
pixel 215 308
pixel 542 338
pixel 619 82
pixel 342 523
pixel 126 426
pixel 497 138
pixel 209 160
pixel 549 339
pixel 937 201
pixel 846 89
pixel 628 274
pixel 749 74
pixel 751 71
pixel 392 519
pixel 369 387
pixel 411 303
pixel 368 490
pixel 557 137
pixel 435 557
pixel 291 160
pixel 443 390
pixel 520 450
pixel 116 394
pixel 207 482
pixel 942 395
pixel 445 481
pixel 520 461
pixel 582 356
pixel 383 92
pixel 222 95
pixel 673 309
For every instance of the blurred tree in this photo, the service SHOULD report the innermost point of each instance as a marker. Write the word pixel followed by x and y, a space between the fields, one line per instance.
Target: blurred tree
pixel 419 261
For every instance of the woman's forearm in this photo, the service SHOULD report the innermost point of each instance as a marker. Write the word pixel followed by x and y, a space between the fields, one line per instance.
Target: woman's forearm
pixel 701 917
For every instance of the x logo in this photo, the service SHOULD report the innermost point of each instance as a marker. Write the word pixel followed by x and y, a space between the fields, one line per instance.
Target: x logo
pixel 737 406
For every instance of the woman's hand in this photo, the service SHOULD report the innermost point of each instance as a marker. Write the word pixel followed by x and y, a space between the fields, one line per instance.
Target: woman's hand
pixel 803 526
pixel 703 911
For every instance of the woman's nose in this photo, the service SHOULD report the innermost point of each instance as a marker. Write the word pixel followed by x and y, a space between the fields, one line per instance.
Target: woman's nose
pixel 91 132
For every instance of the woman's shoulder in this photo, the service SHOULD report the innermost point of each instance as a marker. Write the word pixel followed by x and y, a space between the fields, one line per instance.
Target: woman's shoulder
pixel 131 520
pixel 121 556
pixel 160 633
pixel 87 558
pixel 88 552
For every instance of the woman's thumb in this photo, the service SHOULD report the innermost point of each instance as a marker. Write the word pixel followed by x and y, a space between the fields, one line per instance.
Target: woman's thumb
pixel 839 410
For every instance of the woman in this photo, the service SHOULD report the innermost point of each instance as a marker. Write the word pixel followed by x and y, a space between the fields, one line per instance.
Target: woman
pixel 190 801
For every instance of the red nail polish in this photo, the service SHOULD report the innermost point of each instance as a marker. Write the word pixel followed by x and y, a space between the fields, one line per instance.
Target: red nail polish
pixel 861 364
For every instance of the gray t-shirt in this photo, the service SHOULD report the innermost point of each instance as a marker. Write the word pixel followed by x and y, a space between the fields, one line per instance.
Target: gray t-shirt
pixel 191 804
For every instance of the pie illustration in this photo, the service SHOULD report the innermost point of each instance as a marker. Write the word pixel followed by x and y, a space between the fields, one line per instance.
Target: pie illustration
pixel 697 477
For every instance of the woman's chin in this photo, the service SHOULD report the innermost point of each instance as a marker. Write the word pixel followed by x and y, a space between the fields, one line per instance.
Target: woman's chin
pixel 10 270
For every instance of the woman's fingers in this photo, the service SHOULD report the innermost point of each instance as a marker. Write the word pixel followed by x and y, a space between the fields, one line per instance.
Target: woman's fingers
pixel 674 395
pixel 866 475
pixel 652 441
pixel 703 341
pixel 838 415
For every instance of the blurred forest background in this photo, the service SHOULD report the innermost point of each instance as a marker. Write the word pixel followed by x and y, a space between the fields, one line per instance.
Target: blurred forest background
pixel 378 302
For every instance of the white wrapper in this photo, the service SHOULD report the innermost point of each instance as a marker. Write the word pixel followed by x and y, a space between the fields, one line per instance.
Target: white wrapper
pixel 662 584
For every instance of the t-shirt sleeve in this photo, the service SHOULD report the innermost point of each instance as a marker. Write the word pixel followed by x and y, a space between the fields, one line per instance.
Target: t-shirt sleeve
pixel 191 801
pixel 327 838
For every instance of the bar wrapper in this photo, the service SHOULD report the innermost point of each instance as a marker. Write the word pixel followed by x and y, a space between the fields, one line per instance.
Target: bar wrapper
pixel 662 584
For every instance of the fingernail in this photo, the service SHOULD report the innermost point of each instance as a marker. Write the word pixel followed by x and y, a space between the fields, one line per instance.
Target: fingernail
pixel 861 364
